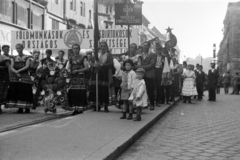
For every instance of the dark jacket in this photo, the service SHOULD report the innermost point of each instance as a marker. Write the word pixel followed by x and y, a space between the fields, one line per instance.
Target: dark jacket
pixel 213 76
pixel 200 77
pixel 149 64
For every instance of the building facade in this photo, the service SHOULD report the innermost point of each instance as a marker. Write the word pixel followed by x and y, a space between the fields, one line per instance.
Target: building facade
pixel 19 15
pixel 228 57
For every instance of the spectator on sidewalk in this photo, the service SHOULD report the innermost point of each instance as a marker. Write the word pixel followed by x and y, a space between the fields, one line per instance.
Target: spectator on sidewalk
pixel 4 78
pixel 236 82
pixel 77 93
pixel 212 82
pixel 167 78
pixel 139 95
pixel 128 78
pixel 20 89
pixel 200 80
pixel 226 82
pixel 104 68
pixel 189 84
pixel 158 73
pixel 219 84
pixel 148 64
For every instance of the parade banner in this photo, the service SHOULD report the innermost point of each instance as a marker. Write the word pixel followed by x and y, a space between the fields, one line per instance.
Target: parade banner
pixel 64 39
pixel 53 39
pixel 128 14
pixel 118 38
pixel 5 37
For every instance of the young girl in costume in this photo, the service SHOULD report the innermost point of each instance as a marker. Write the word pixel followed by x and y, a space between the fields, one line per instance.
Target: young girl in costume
pixel 139 94
pixel 128 78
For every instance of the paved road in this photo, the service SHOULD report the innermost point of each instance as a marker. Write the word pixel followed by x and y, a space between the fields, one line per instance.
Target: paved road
pixel 199 131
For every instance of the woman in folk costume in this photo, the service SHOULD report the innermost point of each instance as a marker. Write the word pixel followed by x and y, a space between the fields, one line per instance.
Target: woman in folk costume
pixel 60 61
pixel 128 78
pixel 4 78
pixel 104 68
pixel 189 84
pixel 20 90
pixel 77 93
pixel 166 80
pixel 139 95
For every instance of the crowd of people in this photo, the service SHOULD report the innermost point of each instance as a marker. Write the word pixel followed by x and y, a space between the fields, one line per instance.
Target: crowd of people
pixel 132 81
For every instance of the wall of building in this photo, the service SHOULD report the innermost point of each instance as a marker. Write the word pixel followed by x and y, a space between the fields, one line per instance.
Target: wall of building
pixel 229 52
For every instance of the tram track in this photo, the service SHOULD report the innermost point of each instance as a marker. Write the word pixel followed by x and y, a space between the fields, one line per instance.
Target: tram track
pixel 26 124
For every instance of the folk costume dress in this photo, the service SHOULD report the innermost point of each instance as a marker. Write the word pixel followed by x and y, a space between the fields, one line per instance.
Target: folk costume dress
pixel 189 87
pixel 20 89
pixel 128 78
pixel 4 78
pixel 77 93
pixel 104 80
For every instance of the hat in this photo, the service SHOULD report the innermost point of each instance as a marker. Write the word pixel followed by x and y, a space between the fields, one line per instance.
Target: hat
pixel 141 70
pixel 128 61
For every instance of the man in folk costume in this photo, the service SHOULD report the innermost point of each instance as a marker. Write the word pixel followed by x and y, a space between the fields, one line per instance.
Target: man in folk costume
pixel 148 64
pixel 175 89
pixel 212 82
pixel 166 79
pixel 158 73
pixel 200 80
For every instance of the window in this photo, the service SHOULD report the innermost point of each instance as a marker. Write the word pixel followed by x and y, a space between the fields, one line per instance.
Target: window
pixel 37 21
pixel 106 9
pixel 22 15
pixel 90 14
pixel 73 5
pixel 110 9
pixel 82 9
pixel 56 1
pixel 55 24
pixel 6 9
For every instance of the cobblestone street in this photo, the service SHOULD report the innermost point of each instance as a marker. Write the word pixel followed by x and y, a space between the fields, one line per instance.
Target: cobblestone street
pixel 202 130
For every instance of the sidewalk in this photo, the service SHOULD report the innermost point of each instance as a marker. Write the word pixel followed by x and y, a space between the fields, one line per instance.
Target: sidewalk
pixel 11 119
pixel 89 136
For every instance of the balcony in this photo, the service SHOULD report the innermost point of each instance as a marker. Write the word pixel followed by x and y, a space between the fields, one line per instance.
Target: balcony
pixel 42 2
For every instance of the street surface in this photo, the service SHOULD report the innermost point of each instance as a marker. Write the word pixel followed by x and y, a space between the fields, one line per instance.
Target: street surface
pixel 200 131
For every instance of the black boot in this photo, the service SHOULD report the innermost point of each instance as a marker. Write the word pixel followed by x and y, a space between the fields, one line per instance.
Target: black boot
pixel 0 110
pixel 137 118
pixel 189 100
pixel 20 110
pixel 27 110
pixel 123 116
pixel 129 116
pixel 106 109
pixel 184 99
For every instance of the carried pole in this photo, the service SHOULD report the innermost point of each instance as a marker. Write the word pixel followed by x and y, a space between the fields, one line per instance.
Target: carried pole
pixel 129 40
pixel 96 38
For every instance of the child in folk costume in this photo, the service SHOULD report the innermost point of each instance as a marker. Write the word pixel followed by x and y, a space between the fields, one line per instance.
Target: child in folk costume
pixel 128 78
pixel 139 94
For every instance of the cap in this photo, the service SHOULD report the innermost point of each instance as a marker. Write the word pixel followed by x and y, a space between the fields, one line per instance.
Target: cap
pixel 141 70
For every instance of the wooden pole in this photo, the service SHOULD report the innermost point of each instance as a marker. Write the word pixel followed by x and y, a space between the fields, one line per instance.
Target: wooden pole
pixel 96 38
pixel 126 2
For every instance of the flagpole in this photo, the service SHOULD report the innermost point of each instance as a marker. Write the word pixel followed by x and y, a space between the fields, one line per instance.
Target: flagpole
pixel 96 36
